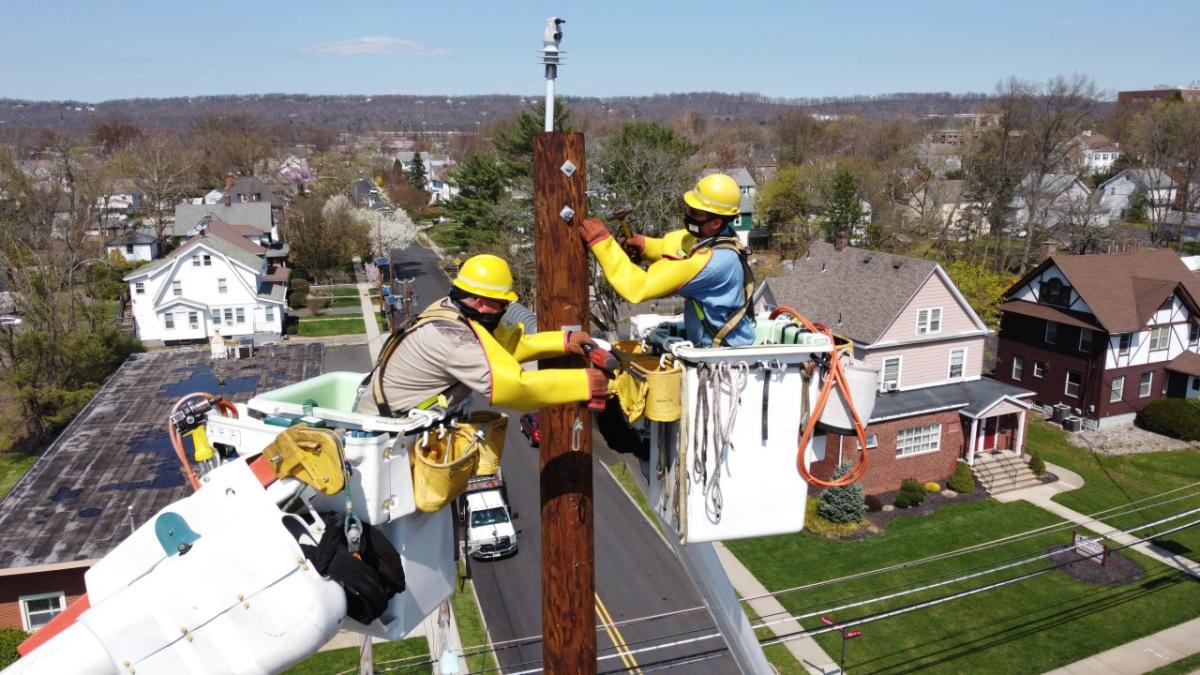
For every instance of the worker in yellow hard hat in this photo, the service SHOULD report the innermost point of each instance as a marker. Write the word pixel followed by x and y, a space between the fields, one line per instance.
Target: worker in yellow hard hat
pixel 458 345
pixel 706 263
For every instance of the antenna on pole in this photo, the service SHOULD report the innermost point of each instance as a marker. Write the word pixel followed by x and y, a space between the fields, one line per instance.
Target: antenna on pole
pixel 551 58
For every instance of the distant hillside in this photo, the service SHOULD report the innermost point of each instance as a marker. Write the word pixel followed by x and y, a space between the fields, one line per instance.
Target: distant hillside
pixel 355 113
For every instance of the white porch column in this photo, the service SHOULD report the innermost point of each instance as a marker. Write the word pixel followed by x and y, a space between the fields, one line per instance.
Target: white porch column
pixel 1018 443
pixel 974 435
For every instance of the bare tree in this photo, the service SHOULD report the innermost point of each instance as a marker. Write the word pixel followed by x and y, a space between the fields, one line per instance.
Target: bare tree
pixel 1082 225
pixel 1167 136
pixel 161 167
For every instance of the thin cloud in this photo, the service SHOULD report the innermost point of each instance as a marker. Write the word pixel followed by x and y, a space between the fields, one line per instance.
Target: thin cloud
pixel 374 45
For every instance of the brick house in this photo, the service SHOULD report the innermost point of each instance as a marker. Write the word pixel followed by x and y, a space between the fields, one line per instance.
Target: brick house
pixel 907 318
pixel 1104 334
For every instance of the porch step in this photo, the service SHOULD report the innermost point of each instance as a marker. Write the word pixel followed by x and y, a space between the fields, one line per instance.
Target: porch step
pixel 998 472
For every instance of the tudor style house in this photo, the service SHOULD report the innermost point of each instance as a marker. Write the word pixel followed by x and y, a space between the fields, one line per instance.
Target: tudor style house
pixel 219 282
pixel 907 318
pixel 1103 334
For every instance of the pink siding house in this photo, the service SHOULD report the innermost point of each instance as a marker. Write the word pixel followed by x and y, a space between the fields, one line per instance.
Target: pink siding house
pixel 906 317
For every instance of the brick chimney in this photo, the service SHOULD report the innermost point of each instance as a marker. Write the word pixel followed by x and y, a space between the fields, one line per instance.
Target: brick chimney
pixel 228 181
pixel 1047 249
pixel 841 241
pixel 228 200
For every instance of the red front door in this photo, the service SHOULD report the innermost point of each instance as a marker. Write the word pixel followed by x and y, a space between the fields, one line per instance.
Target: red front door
pixel 991 428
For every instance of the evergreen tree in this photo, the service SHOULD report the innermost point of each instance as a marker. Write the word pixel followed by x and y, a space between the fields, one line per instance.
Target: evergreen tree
pixel 513 139
pixel 416 175
pixel 845 504
pixel 481 188
pixel 842 211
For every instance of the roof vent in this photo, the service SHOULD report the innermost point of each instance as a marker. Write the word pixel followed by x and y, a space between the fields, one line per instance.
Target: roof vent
pixel 866 258
pixel 898 263
pixel 822 267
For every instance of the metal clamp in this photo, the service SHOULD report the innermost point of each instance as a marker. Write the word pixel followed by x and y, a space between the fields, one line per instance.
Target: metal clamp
pixel 576 434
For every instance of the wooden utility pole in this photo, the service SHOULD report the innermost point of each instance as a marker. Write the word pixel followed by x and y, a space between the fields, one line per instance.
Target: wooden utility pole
pixel 568 548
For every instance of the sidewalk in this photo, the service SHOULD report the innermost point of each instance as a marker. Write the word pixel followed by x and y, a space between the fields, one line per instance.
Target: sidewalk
pixel 1138 656
pixel 374 337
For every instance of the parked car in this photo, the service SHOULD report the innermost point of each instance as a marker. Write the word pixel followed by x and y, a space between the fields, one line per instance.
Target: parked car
pixel 9 320
pixel 531 429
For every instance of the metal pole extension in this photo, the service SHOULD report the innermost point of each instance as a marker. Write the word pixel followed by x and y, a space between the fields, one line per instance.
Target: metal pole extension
pixel 551 58
pixel 568 547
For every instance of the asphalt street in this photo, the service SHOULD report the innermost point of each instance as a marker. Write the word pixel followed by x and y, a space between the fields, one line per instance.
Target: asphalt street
pixel 637 575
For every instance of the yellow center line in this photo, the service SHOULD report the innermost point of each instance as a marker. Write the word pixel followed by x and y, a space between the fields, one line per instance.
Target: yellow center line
pixel 614 634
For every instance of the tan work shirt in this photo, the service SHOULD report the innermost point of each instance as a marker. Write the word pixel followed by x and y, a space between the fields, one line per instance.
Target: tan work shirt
pixel 442 357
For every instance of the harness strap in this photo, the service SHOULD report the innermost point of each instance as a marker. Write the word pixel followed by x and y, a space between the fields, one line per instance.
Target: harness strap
pixel 747 309
pixel 435 312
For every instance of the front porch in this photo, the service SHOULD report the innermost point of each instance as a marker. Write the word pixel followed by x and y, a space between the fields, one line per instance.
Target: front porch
pixel 1000 428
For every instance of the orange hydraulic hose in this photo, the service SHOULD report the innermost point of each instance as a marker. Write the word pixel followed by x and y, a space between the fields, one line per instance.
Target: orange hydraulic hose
pixel 225 407
pixel 835 377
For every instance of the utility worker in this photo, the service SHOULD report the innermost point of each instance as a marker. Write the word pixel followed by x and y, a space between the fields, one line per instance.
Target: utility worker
pixel 705 263
pixel 457 346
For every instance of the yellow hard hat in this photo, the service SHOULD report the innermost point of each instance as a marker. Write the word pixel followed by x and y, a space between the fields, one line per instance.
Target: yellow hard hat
pixel 487 276
pixel 716 193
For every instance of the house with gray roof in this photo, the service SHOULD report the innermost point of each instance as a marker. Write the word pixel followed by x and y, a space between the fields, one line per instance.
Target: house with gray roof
pixel 218 282
pixel 749 190
pixel 133 246
pixel 908 319
pixel 1153 187
pixel 190 218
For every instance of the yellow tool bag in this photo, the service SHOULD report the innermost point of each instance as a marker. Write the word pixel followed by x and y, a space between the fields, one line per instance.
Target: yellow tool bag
pixel 494 426
pixel 443 463
pixel 314 456
pixel 650 386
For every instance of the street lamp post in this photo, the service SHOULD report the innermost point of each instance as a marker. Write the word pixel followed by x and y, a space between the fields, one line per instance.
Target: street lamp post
pixel 847 634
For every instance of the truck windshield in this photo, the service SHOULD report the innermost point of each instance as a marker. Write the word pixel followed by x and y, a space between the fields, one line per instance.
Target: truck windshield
pixel 489 517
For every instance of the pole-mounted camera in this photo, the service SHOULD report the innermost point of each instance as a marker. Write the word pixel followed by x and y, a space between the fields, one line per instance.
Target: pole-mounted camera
pixel 551 58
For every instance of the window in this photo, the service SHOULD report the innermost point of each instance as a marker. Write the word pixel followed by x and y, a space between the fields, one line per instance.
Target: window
pixel 1147 381
pixel 1085 341
pixel 228 316
pixel 1193 335
pixel 216 317
pixel 1018 367
pixel 1074 379
pixel 1123 348
pixel 1039 369
pixel 1160 337
pixel 929 321
pixel 1195 383
pixel 195 261
pixel 1051 332
pixel 129 249
pixel 919 440
pixel 37 610
pixel 1055 292
pixel 176 288
pixel 958 360
pixel 222 287
pixel 270 314
pixel 891 374
pixel 1118 389
pixel 872 442
pixel 169 321
pixel 241 315
pixel 207 260
pixel 139 288
pixel 193 320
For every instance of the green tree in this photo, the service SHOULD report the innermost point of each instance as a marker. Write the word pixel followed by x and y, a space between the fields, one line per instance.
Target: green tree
pixel 645 164
pixel 843 213
pixel 785 204
pixel 416 174
pixel 513 138
pixel 481 187
pixel 982 287
pixel 845 504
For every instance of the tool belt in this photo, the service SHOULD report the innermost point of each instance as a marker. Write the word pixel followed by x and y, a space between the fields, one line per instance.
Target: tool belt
pixel 445 459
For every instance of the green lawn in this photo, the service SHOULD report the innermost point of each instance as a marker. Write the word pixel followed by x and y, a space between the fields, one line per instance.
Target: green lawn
pixel 339 292
pixel 1031 626
pixel 414 651
pixel 470 625
pixel 13 465
pixel 1116 480
pixel 316 326
pixel 1183 666
pixel 343 300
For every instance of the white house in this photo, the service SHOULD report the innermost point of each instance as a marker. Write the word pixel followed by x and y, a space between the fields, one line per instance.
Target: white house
pixel 1094 153
pixel 1051 202
pixel 134 246
pixel 1117 194
pixel 208 285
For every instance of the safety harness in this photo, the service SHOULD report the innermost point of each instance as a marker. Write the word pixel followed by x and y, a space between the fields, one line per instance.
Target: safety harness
pixel 432 313
pixel 747 309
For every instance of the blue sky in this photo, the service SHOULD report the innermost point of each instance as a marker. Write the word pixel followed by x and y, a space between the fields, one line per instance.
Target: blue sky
pixel 94 51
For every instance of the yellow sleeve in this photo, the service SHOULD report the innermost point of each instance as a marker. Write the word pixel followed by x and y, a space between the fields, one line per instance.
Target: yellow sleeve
pixel 634 284
pixel 674 244
pixel 515 387
pixel 530 347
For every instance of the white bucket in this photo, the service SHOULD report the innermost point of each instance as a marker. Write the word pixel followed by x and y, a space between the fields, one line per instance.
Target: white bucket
pixel 863 381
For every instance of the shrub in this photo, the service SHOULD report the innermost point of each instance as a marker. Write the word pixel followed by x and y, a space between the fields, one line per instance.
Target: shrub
pixel 1173 417
pixel 845 504
pixel 963 481
pixel 9 639
pixel 874 503
pixel 911 494
pixel 297 299
pixel 818 525
pixel 317 304
pixel 1036 464
pixel 299 285
pixel 932 487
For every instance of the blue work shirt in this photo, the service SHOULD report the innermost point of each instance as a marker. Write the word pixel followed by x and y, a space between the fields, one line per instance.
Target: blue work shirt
pixel 718 289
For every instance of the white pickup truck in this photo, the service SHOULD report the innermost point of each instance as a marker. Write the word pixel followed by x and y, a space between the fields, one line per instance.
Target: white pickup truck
pixel 490 531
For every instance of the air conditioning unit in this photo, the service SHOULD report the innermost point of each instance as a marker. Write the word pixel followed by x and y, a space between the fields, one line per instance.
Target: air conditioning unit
pixel 891 386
